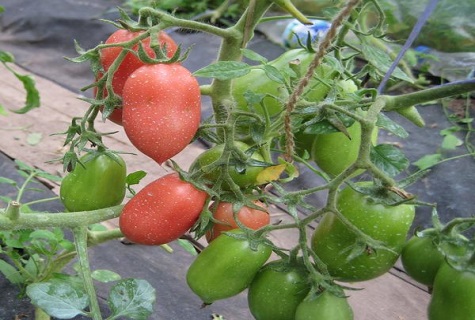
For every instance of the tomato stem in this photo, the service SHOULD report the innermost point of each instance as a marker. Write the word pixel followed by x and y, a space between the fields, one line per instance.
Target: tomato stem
pixel 80 240
pixel 61 220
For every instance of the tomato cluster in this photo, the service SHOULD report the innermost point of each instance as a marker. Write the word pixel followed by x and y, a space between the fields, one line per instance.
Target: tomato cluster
pixel 223 197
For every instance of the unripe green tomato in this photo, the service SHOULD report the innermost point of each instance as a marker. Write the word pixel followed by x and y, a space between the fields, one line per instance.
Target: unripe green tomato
pixel 225 267
pixel 99 184
pixel 277 289
pixel 453 294
pixel 332 240
pixel 326 306
pixel 258 82
pixel 421 259
pixel 243 179
pixel 334 152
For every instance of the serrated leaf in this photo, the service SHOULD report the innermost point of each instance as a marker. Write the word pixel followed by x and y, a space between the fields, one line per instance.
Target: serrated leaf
pixel 451 142
pixel 58 298
pixel 105 275
pixel 43 234
pixel 427 161
pixel 380 60
pixel 224 70
pixel 11 273
pixel 32 94
pixel 391 126
pixel 389 159
pixel 132 298
pixel 254 56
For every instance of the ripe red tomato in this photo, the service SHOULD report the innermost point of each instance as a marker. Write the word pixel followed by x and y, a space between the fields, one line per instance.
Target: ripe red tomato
pixel 162 109
pixel 162 211
pixel 130 62
pixel 250 217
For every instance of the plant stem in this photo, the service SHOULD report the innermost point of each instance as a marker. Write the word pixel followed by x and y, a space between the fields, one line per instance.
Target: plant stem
pixel 61 220
pixel 80 240
pixel 427 95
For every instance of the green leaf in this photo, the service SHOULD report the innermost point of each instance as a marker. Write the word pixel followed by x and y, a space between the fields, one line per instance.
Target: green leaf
pixel 389 159
pixel 427 161
pixel 105 275
pixel 11 273
pixel 32 94
pixel 380 60
pixel 4 180
pixel 44 234
pixel 188 246
pixel 6 57
pixel 58 298
pixel 132 298
pixel 391 126
pixel 224 70
pixel 254 56
pixel 274 74
pixel 135 177
pixel 451 142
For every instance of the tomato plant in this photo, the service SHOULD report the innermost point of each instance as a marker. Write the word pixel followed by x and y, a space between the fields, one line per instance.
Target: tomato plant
pixel 325 305
pixel 453 294
pixel 243 172
pixel 152 218
pixel 336 245
pixel 263 116
pixel 98 182
pixel 226 267
pixel 130 62
pixel 225 220
pixel 277 289
pixel 162 109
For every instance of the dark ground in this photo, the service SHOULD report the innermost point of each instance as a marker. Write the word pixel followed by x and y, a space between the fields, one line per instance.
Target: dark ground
pixel 41 33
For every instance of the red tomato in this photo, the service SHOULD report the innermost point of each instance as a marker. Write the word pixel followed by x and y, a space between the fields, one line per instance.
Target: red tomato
pixel 250 217
pixel 162 109
pixel 130 62
pixel 162 211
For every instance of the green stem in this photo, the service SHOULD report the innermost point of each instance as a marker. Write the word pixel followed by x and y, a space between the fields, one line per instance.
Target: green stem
pixel 427 95
pixel 13 211
pixel 40 201
pixel 61 220
pixel 80 240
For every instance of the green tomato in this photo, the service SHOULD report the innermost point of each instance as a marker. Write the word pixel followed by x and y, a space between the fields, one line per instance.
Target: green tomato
pixel 243 179
pixel 226 267
pixel 332 241
pixel 334 152
pixel 421 259
pixel 324 306
pixel 277 290
pixel 100 183
pixel 258 82
pixel 453 294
